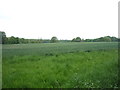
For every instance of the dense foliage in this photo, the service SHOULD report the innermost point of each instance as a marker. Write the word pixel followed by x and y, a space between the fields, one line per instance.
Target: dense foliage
pixel 17 40
pixel 77 39
pixel 54 39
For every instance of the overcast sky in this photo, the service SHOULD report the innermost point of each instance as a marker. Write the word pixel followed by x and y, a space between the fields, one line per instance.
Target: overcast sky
pixel 65 19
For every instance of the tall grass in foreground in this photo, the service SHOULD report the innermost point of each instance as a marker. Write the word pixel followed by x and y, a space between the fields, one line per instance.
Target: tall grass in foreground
pixel 90 69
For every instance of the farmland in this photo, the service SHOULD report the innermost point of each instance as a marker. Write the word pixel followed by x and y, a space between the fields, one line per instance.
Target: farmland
pixel 60 65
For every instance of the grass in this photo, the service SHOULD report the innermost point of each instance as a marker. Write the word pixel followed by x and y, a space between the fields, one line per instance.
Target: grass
pixel 54 48
pixel 68 65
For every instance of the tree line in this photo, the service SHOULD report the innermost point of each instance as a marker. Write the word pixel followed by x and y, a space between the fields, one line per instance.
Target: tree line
pixel 16 40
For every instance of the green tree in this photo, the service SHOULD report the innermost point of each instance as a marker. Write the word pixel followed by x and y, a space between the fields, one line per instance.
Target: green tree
pixel 13 40
pixel 78 39
pixel 16 40
pixel 88 40
pixel 54 39
pixel 3 38
pixel 103 39
pixel 107 39
pixel 73 40
pixel 21 40
pixel 114 39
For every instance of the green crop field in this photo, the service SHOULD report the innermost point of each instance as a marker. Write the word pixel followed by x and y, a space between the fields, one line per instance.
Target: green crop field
pixel 60 65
